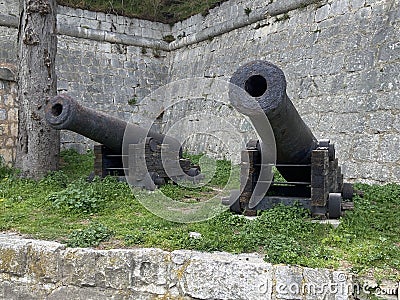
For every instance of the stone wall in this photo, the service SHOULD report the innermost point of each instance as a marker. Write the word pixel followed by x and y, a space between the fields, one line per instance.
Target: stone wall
pixel 341 59
pixel 107 62
pixel 8 85
pixel 342 63
pixel 31 269
pixel 8 114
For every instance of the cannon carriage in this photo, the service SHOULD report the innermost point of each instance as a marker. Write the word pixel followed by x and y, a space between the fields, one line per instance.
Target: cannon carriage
pixel 312 175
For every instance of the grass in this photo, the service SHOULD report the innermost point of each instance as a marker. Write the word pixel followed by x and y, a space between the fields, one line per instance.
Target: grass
pixel 166 11
pixel 104 214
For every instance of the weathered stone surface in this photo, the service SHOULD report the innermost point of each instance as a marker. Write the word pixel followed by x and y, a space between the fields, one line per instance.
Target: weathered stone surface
pixel 322 13
pixel 389 144
pixel 43 261
pixel 31 269
pixel 288 280
pixel 22 289
pixel 94 293
pixel 8 120
pixel 316 284
pixel 78 267
pixel 3 114
pixel 223 276
pixel 342 71
pixel 13 255
pixel 6 74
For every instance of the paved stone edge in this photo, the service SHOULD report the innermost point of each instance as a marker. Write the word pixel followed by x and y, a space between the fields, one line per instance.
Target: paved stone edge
pixel 34 269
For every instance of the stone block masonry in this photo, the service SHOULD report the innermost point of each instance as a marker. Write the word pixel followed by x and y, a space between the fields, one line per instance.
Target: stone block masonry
pixel 108 63
pixel 8 114
pixel 341 59
pixel 31 269
pixel 105 61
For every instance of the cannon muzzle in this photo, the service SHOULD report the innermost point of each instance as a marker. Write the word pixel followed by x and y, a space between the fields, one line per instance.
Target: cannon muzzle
pixel 63 112
pixel 295 142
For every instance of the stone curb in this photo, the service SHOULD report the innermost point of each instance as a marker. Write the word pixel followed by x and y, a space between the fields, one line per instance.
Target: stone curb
pixel 32 269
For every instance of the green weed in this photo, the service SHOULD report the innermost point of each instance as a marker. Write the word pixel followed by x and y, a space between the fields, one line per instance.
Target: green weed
pixel 90 236
pixel 76 165
pixel 169 38
pixel 167 11
pixel 5 170
pixel 133 101
pixel 85 197
pixel 60 207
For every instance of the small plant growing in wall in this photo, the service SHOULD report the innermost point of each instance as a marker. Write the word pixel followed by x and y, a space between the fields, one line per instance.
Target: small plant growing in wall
pixel 284 17
pixel 5 170
pixel 144 50
pixel 169 38
pixel 156 52
pixel 133 101
pixel 247 11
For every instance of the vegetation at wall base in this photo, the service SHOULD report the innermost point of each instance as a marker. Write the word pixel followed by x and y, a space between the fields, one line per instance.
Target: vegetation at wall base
pixel 65 207
pixel 166 11
pixel 5 170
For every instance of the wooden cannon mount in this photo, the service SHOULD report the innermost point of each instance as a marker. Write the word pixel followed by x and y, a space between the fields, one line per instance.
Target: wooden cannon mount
pixel 108 163
pixel 310 168
pixel 122 146
pixel 324 194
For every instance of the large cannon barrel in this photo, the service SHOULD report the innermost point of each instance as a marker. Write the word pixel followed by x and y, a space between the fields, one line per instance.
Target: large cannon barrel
pixel 63 112
pixel 295 142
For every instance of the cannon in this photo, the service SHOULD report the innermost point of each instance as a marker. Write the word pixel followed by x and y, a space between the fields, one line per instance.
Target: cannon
pixel 312 176
pixel 113 156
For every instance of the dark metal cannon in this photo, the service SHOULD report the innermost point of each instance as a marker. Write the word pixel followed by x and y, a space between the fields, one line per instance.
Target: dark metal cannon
pixel 63 112
pixel 309 167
